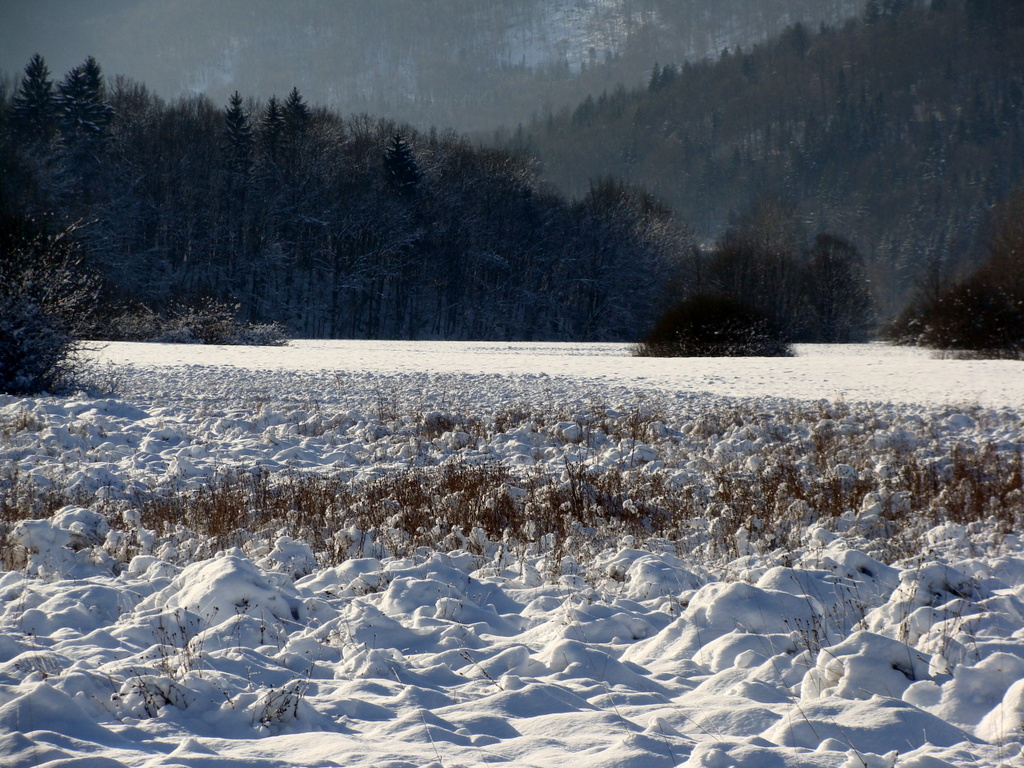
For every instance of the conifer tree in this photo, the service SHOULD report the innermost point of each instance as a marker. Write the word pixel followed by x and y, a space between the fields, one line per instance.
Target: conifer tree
pixel 94 78
pixel 83 113
pixel 403 172
pixel 272 128
pixel 296 113
pixel 238 145
pixel 34 106
pixel 296 116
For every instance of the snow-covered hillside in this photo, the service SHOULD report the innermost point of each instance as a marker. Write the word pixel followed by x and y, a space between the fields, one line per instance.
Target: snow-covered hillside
pixel 388 554
pixel 466 64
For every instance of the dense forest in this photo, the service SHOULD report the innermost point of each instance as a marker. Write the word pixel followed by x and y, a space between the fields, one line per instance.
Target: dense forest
pixel 464 64
pixel 331 227
pixel 898 130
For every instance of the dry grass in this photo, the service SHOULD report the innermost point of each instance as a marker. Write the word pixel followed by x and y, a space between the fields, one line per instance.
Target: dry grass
pixel 821 465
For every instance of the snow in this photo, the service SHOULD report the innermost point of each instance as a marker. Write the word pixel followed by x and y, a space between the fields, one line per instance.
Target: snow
pixel 851 372
pixel 836 643
pixel 573 31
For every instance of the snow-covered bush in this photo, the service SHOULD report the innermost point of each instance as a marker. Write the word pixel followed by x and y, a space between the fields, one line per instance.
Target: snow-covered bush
pixel 44 296
pixel 207 321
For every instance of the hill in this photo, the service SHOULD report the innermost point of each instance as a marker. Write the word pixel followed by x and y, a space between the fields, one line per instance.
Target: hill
pixel 463 64
pixel 898 130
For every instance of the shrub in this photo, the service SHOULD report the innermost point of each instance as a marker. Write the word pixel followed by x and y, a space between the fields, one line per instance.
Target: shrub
pixel 45 298
pixel 982 315
pixel 207 321
pixel 713 326
pixel 978 319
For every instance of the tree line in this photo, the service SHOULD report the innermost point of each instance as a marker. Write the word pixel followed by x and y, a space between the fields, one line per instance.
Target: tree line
pixel 324 226
pixel 329 226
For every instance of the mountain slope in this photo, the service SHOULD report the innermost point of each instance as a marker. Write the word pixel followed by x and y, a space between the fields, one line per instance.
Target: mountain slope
pixel 899 134
pixel 459 63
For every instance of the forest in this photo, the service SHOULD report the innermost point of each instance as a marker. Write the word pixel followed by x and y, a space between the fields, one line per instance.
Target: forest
pixel 331 227
pixel 898 130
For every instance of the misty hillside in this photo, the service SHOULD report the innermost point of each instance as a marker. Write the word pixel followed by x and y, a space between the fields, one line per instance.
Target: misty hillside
pixel 452 63
pixel 899 130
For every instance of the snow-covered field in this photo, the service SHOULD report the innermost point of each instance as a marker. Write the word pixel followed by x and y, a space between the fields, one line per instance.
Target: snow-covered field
pixel 514 554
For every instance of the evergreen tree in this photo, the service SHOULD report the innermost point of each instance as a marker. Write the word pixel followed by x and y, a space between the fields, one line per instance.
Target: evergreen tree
pixel 83 112
pixel 661 77
pixel 272 128
pixel 238 145
pixel 34 106
pixel 94 79
pixel 403 172
pixel 296 114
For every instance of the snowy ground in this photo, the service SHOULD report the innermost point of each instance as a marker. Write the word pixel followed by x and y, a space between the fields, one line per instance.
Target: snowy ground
pixel 871 614
pixel 851 372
